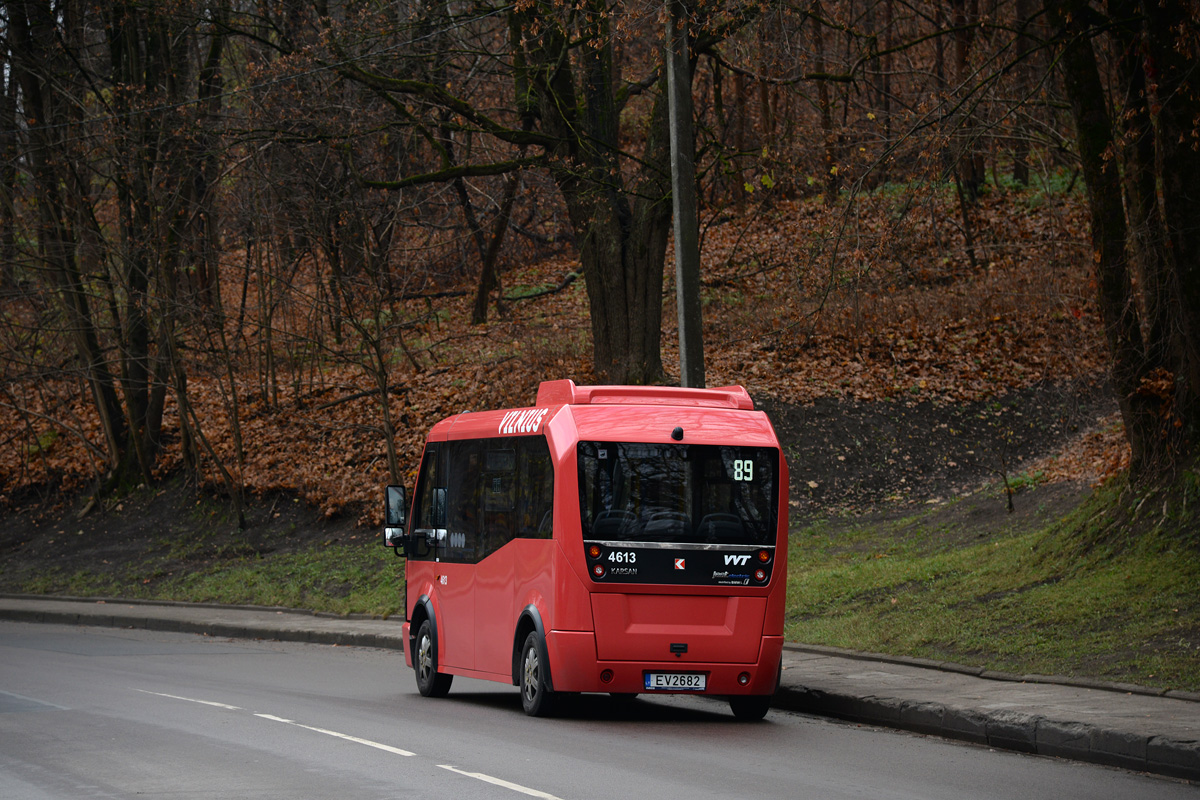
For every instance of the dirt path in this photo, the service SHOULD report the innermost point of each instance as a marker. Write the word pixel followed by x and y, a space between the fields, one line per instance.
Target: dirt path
pixel 855 457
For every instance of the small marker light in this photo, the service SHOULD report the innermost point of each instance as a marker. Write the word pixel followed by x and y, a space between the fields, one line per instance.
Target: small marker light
pixel 677 434
pixel 594 551
pixel 744 678
pixel 760 575
pixel 764 556
pixel 598 570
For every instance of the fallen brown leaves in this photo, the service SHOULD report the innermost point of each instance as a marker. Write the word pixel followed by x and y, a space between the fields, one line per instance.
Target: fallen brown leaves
pixel 800 302
pixel 1096 456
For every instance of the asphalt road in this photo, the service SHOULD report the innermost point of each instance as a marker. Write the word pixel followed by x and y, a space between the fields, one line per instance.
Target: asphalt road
pixel 100 713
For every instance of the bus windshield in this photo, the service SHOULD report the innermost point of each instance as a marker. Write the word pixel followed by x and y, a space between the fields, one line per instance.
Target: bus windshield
pixel 677 493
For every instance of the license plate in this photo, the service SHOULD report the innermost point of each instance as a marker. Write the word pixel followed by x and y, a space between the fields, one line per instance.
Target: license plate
pixel 675 681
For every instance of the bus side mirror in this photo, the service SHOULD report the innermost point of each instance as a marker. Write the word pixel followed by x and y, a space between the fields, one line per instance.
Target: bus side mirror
pixel 395 515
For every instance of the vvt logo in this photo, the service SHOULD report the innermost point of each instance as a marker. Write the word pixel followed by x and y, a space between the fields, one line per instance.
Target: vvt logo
pixel 739 561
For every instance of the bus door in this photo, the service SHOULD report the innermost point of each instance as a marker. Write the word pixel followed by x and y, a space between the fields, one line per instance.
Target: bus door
pixel 495 500
pixel 455 570
pixel 437 565
pixel 517 501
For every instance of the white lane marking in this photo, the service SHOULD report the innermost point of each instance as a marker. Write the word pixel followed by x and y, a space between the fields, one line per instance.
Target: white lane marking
pixel 377 745
pixel 193 700
pixel 35 700
pixel 479 776
pixel 516 787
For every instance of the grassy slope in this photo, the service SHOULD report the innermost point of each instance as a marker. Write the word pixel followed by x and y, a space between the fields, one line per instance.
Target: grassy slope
pixel 1083 595
pixel 334 578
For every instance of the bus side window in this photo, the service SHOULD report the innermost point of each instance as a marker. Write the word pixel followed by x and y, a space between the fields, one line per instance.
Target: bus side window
pixel 536 504
pixel 498 491
pixel 430 512
pixel 464 501
pixel 438 507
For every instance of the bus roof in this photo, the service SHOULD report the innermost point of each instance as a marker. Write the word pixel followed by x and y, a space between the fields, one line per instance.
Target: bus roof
pixel 594 406
pixel 565 392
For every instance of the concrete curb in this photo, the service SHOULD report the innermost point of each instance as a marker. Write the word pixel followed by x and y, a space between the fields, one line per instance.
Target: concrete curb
pixel 281 630
pixel 1006 730
pixel 995 675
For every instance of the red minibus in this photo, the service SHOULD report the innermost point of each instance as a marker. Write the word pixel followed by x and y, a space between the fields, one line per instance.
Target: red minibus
pixel 619 539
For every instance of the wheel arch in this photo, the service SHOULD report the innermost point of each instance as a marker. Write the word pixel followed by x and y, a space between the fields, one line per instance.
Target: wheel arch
pixel 423 610
pixel 529 621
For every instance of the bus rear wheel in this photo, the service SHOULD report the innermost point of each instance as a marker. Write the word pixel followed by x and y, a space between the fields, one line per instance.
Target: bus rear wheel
pixel 430 682
pixel 750 708
pixel 536 698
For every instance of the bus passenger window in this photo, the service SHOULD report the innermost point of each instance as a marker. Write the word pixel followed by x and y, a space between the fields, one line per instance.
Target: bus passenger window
pixel 465 501
pixel 535 501
pixel 498 491
pixel 430 513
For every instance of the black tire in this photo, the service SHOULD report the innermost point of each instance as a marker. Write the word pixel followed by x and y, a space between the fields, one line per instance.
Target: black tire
pixel 536 698
pixel 750 707
pixel 430 682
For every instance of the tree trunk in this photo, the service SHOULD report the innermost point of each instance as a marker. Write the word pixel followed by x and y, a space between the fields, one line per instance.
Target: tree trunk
pixel 1178 108
pixel 1023 73
pixel 969 163
pixel 152 208
pixel 622 256
pixel 489 278
pixel 832 179
pixel 36 55
pixel 1118 308
pixel 622 242
pixel 8 177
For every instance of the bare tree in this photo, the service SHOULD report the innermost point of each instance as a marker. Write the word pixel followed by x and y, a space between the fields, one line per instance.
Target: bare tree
pixel 1152 326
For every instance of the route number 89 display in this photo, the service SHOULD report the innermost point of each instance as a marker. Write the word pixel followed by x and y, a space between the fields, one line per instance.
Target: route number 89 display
pixel 743 470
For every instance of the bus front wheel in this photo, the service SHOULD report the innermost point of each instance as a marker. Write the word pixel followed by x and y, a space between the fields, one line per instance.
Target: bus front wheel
pixel 430 682
pixel 750 707
pixel 536 699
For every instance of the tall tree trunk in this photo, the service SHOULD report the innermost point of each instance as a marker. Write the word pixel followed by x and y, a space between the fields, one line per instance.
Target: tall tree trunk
pixel 886 88
pixel 832 179
pixel 143 54
pixel 1118 307
pixel 969 160
pixel 622 242
pixel 489 278
pixel 1147 232
pixel 205 165
pixel 37 55
pixel 8 177
pixel 741 111
pixel 1171 26
pixel 1023 73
